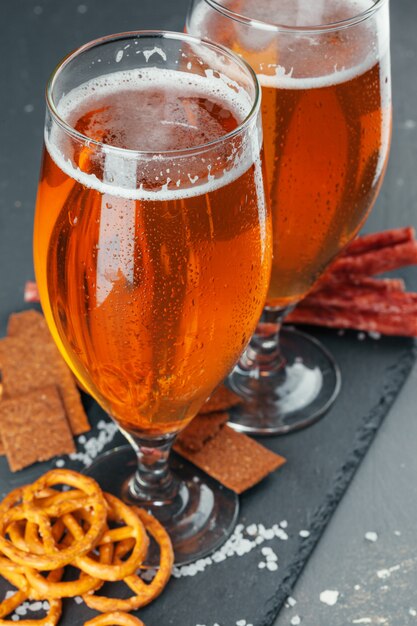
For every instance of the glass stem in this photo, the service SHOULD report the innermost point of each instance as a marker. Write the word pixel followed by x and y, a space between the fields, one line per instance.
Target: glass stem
pixel 153 480
pixel 263 355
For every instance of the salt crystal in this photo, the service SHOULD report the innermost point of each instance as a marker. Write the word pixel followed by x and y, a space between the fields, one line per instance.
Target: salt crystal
pixel 362 620
pixel 45 605
pixel 272 557
pixel 374 335
pixel 252 530
pixel 386 573
pixel 371 536
pixel 284 523
pixel 357 587
pixel 78 600
pixel 412 612
pixel 60 463
pixel 397 533
pixel 272 566
pixel 304 534
pixel 21 610
pixel 281 534
pixel 261 565
pixel 329 597
pixel 35 606
pixel 291 601
pixel 266 551
pixel 296 620
pixel 241 622
pixel 9 594
pixel 15 618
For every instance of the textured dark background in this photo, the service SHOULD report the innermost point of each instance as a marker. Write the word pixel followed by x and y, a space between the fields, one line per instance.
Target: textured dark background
pixel 34 35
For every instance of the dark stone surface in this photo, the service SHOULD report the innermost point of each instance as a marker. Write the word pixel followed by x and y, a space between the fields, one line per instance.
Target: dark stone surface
pixel 35 34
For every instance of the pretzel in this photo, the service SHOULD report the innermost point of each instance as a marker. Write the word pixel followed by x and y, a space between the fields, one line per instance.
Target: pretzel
pixel 144 593
pixel 29 510
pixel 117 512
pixel 43 529
pixel 55 606
pixel 115 618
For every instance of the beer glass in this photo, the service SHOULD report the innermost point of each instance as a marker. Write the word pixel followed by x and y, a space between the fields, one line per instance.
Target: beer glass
pixel 324 68
pixel 153 251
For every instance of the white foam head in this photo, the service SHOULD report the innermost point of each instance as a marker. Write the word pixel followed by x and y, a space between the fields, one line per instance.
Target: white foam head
pixel 120 166
pixel 291 59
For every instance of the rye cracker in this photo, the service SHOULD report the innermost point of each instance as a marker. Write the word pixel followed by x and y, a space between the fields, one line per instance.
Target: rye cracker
pixel 30 324
pixel 34 428
pixel 32 360
pixel 200 430
pixel 221 400
pixel 235 460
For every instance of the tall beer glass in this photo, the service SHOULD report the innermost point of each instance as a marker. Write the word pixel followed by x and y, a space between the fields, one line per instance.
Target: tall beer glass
pixel 153 251
pixel 324 67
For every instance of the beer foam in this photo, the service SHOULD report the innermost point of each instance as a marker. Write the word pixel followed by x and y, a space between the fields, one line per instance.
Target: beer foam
pixel 283 79
pixel 120 166
pixel 292 46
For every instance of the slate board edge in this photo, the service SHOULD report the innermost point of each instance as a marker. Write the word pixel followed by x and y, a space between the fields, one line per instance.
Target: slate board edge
pixel 394 379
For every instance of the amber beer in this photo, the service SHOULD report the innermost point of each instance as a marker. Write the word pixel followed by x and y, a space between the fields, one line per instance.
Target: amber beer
pixel 326 116
pixel 142 284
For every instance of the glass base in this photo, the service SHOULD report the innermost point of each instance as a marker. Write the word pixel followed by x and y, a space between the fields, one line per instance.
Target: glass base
pixel 291 397
pixel 198 519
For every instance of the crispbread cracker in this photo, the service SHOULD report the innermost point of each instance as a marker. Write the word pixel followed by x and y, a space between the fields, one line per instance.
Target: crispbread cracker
pixel 235 460
pixel 30 361
pixel 200 430
pixel 221 400
pixel 30 324
pixel 34 427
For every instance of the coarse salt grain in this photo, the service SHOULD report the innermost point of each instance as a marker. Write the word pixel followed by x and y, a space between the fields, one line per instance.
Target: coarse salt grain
pixel 371 536
pixel 35 606
pixel 291 601
pixel 296 620
pixel 386 572
pixel 329 597
pixel 412 612
pixel 284 523
pixel 304 534
pixel 272 566
pixel 21 610
pixel 94 445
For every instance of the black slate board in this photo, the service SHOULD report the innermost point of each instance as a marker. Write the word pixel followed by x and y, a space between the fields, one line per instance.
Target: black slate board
pixel 321 462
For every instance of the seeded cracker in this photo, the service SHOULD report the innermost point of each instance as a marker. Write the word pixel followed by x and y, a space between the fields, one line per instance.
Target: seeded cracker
pixel 200 430
pixel 221 400
pixel 235 460
pixel 30 359
pixel 33 427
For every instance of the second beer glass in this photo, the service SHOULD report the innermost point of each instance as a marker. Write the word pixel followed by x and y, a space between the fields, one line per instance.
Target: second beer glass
pixel 324 67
